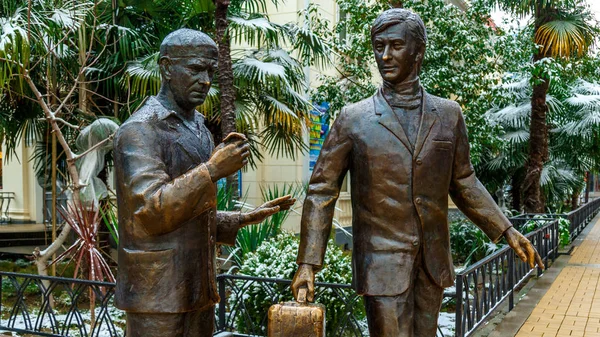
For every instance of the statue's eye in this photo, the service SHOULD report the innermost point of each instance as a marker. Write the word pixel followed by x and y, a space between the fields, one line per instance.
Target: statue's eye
pixel 398 45
pixel 379 47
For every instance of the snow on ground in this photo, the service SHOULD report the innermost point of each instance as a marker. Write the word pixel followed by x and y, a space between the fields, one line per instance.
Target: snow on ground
pixel 446 323
pixel 117 316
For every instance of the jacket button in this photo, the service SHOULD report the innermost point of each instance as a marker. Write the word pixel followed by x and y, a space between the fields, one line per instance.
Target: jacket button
pixel 419 162
pixel 418 201
pixel 212 240
pixel 415 243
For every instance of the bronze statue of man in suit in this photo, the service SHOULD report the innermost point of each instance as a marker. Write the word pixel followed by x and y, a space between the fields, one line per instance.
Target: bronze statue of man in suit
pixel 166 168
pixel 406 150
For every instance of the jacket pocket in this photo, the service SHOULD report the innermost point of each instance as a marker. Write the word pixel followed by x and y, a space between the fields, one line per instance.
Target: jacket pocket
pixel 442 145
pixel 149 270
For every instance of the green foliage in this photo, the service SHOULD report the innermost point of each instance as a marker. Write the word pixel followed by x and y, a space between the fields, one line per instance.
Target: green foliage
pixel 463 60
pixel 564 228
pixel 564 232
pixel 110 219
pixel 251 237
pixel 468 243
pixel 276 258
pixel 571 118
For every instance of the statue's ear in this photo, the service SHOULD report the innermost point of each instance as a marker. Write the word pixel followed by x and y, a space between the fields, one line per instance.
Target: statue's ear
pixel 165 67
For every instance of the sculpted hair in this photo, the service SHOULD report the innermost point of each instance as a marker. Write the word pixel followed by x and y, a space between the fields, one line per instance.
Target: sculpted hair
pixel 181 40
pixel 397 16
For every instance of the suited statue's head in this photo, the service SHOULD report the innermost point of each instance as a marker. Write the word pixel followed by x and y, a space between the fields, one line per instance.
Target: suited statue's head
pixel 188 60
pixel 399 39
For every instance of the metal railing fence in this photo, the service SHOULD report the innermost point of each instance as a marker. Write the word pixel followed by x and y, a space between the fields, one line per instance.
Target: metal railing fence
pixel 56 306
pixel 482 287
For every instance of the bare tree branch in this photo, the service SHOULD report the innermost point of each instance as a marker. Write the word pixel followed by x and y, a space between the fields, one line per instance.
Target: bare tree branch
pixel 72 126
pixel 104 141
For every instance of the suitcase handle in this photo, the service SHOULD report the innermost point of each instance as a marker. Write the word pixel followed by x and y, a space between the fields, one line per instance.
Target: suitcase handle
pixel 302 295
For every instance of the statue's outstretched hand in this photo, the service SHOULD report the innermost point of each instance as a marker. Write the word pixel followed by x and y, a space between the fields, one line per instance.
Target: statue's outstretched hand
pixel 267 209
pixel 304 278
pixel 523 248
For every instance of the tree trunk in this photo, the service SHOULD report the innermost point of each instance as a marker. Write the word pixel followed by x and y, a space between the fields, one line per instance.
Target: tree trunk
pixel 575 200
pixel 538 148
pixel 588 186
pixel 226 87
pixel 397 3
pixel 516 192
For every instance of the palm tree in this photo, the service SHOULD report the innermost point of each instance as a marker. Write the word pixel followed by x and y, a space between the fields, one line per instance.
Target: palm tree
pixel 581 130
pixel 560 31
pixel 270 107
pixel 561 175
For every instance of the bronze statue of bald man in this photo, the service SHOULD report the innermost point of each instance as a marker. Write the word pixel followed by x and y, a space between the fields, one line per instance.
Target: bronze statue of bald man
pixel 406 150
pixel 166 167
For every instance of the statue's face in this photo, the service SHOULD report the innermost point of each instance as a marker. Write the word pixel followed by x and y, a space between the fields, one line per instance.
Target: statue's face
pixel 190 76
pixel 397 53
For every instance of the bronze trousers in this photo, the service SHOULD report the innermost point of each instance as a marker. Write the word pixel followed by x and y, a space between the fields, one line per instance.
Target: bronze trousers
pixel 198 323
pixel 413 313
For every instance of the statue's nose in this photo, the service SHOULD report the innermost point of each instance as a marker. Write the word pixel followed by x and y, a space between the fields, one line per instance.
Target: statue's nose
pixel 386 53
pixel 204 79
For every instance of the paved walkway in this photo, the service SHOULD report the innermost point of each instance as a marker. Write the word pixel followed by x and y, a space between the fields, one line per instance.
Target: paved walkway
pixel 571 306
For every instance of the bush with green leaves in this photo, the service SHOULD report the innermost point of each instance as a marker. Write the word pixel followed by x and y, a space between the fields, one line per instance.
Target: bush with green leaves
pixel 276 258
pixel 468 243
pixel 564 228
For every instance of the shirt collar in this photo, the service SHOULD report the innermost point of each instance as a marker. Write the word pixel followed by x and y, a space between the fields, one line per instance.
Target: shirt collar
pixel 164 113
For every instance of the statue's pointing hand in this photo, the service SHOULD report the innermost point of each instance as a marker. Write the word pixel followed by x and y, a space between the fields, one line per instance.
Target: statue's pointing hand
pixel 267 209
pixel 523 248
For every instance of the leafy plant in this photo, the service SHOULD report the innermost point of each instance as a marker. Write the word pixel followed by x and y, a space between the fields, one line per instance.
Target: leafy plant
pixel 251 237
pixel 564 231
pixel 276 258
pixel 468 243
pixel 84 252
pixel 109 216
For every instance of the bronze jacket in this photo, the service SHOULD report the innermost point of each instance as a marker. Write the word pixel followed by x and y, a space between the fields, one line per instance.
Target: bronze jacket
pixel 168 223
pixel 399 195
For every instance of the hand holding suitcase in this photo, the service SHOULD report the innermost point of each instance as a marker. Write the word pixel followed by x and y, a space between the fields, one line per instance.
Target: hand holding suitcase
pixel 297 319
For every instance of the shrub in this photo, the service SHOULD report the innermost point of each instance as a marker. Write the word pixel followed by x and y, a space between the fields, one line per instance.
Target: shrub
pixel 564 228
pixel 468 243
pixel 276 258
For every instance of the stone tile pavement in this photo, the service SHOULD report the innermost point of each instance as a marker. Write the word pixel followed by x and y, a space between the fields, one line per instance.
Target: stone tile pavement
pixel 571 306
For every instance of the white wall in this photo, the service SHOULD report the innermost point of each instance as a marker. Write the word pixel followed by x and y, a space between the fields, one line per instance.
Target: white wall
pixel 18 176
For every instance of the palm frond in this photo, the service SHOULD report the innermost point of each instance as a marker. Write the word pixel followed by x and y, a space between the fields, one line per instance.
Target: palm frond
pixel 565 37
pixel 254 31
pixel 519 136
pixel 252 70
pixel 311 48
pixel 514 116
pixel 580 101
pixel 587 88
pixel 142 77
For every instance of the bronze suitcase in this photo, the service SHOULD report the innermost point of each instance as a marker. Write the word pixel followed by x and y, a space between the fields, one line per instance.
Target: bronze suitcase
pixel 297 319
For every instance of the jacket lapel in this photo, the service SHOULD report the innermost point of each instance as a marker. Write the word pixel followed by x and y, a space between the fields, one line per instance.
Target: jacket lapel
pixel 389 119
pixel 428 119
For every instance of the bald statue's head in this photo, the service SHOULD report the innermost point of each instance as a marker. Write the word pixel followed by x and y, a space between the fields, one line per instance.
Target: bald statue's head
pixel 188 60
pixel 188 42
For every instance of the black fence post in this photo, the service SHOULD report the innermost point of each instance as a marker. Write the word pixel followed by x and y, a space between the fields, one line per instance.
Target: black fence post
pixel 539 239
pixel 547 237
pixel 556 236
pixel 459 307
pixel 222 303
pixel 511 279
